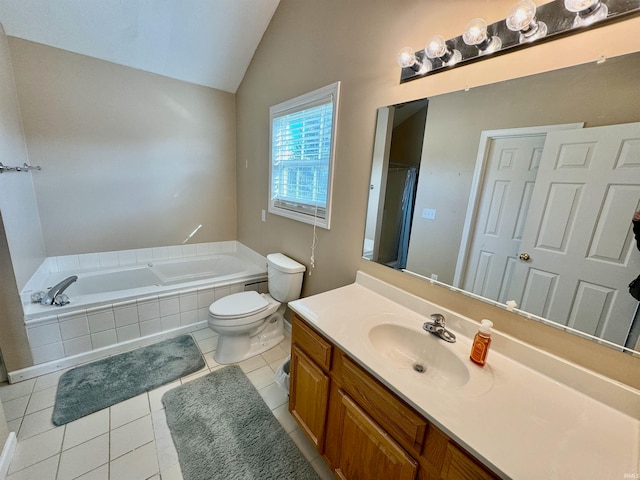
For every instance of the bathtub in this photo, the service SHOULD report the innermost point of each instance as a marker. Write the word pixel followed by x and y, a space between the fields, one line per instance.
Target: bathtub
pixel 116 308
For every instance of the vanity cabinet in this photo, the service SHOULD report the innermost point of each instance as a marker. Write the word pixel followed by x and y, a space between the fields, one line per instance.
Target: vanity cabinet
pixel 362 429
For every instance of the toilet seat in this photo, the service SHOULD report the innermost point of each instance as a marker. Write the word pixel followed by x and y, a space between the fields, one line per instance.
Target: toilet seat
pixel 238 305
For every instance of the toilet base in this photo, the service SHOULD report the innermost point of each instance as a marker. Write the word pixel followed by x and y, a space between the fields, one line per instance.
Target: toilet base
pixel 236 348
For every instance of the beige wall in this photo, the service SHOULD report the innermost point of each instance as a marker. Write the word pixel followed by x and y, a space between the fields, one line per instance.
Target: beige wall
pixel 130 159
pixel 19 213
pixel 298 54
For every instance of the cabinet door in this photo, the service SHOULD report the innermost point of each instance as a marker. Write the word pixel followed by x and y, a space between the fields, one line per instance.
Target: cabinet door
pixel 308 396
pixel 366 451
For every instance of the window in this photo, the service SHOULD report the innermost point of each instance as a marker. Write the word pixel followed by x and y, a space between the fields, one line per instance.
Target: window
pixel 302 153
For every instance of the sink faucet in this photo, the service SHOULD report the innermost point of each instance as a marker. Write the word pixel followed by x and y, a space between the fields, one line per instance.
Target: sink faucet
pixel 437 328
pixel 54 296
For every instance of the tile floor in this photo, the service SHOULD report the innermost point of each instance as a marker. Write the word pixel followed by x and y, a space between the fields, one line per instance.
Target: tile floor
pixel 130 440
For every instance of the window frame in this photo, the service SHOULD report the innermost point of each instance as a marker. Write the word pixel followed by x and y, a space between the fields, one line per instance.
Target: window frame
pixel 303 102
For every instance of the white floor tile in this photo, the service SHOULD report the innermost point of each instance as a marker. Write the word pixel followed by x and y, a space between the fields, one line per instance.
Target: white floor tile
pixel 202 334
pixel 15 408
pixel 209 344
pixel 42 399
pixel 261 377
pixel 284 417
pixel 273 395
pixel 171 473
pixel 193 376
pixel 137 465
pixel 84 458
pixel 15 390
pixel 211 363
pixel 322 469
pixel 48 380
pixel 304 444
pixel 165 448
pixel 131 436
pixel 37 448
pixel 36 423
pixel 251 364
pixel 155 396
pixel 275 355
pixel 129 410
pixel 45 470
pixel 86 428
pixel 100 473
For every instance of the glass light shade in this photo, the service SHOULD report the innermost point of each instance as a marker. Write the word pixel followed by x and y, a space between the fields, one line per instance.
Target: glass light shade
pixel 576 6
pixel 587 11
pixel 476 34
pixel 521 15
pixel 522 18
pixel 406 57
pixel 437 48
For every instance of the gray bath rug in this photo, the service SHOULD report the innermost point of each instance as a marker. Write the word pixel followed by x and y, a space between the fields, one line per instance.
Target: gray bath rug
pixel 223 430
pixel 97 385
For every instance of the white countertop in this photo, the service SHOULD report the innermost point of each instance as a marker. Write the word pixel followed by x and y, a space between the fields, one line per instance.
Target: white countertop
pixel 523 424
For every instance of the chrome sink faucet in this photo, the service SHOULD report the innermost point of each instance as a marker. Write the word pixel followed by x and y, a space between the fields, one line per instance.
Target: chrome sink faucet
pixel 437 328
pixel 54 295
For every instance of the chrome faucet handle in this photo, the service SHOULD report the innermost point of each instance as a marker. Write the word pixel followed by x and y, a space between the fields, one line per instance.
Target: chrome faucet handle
pixel 438 319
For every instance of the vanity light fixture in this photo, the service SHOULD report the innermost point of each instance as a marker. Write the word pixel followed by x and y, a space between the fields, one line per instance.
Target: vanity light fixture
pixel 408 59
pixel 587 11
pixel 525 26
pixel 522 18
pixel 437 48
pixel 476 34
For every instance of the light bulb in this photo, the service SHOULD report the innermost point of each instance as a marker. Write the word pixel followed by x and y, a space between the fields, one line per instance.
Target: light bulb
pixel 437 48
pixel 407 59
pixel 522 18
pixel 476 34
pixel 587 11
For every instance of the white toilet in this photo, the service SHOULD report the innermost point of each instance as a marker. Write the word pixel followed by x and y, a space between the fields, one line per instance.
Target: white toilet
pixel 249 323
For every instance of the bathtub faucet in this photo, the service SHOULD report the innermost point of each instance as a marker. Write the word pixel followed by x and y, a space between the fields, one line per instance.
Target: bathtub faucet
pixel 54 296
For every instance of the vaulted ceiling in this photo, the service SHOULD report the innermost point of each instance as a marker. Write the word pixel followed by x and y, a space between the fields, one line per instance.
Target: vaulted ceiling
pixel 206 42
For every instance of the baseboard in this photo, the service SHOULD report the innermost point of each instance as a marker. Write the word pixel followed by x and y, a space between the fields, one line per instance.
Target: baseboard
pixel 79 359
pixel 7 454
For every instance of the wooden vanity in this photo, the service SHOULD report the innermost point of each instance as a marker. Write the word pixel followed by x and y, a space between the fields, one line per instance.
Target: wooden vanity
pixel 361 428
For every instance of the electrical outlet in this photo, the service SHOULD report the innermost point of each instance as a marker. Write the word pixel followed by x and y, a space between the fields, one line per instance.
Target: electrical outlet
pixel 429 213
pixel 264 216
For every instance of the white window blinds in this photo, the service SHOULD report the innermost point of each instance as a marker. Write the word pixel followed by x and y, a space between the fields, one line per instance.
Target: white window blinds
pixel 302 137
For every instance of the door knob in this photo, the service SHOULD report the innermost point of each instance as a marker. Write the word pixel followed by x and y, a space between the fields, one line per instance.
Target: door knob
pixel 524 256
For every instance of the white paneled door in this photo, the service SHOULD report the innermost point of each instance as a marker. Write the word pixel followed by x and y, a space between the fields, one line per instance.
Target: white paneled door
pixel 577 236
pixel 510 174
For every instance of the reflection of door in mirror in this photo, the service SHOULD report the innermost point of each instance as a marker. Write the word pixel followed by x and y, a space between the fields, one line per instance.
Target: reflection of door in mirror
pixel 536 239
pixel 394 182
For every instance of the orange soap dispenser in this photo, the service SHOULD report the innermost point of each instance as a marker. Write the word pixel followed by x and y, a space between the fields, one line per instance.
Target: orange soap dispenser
pixel 481 343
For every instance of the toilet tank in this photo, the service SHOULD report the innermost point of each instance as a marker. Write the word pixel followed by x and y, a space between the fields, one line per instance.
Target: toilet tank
pixel 285 277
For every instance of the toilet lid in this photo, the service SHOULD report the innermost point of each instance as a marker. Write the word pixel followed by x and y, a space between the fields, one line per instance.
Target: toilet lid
pixel 238 305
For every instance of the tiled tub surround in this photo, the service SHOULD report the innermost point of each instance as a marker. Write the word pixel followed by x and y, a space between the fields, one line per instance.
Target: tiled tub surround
pixel 100 324
pixel 526 415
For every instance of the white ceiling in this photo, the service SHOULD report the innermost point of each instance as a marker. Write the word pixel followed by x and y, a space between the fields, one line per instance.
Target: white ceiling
pixel 207 42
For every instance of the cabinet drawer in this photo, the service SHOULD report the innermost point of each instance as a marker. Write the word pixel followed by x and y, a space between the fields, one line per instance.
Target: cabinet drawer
pixel 401 421
pixel 316 347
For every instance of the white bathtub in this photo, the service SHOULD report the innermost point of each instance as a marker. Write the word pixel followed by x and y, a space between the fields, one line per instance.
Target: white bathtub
pixel 112 307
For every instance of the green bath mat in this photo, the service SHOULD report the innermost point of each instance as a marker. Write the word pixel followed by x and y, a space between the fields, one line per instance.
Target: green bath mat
pixel 97 385
pixel 223 430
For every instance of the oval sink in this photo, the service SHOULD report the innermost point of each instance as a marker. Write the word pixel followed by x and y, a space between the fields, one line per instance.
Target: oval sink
pixel 420 353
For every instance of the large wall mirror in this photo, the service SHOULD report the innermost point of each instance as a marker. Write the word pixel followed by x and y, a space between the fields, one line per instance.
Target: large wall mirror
pixel 519 191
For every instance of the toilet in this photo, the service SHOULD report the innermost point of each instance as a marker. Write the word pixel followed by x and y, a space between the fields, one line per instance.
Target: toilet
pixel 249 323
